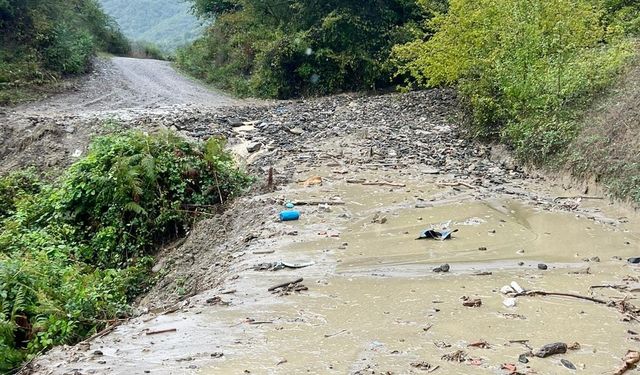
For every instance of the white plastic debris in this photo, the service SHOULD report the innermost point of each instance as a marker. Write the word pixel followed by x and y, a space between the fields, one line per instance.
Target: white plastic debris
pixel 507 290
pixel 509 302
pixel 517 287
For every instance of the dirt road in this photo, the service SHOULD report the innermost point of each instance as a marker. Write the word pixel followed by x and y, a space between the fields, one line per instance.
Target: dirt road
pixel 121 83
pixel 54 132
pixel 379 170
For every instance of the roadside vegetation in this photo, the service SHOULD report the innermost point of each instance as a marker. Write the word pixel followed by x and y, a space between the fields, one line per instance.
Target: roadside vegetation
pixel 527 70
pixel 43 41
pixel 76 251
pixel 281 49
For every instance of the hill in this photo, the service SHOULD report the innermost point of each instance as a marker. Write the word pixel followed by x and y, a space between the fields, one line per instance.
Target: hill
pixel 166 23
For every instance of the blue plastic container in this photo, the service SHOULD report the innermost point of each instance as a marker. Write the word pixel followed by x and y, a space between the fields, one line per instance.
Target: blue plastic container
pixel 289 215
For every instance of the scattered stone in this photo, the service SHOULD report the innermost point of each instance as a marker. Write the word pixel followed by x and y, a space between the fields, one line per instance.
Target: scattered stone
pixel 471 302
pixel 235 122
pixel 567 364
pixel 542 266
pixel 509 302
pixel 457 356
pixel 296 131
pixel 217 355
pixel 595 259
pixel 523 358
pixel 551 349
pixel 254 147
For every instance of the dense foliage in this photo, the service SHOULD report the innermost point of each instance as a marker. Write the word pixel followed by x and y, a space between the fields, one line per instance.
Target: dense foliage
pixel 522 64
pixel 273 48
pixel 74 252
pixel 42 40
pixel 167 24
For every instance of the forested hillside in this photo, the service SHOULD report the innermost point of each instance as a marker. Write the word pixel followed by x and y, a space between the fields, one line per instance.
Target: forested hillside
pixel 166 23
pixel 43 40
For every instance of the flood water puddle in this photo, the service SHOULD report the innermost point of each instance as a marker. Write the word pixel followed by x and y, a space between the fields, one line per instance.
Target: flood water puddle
pixel 375 305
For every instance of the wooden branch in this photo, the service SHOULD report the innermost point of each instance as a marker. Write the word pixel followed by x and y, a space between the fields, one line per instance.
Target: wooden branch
pixel 285 284
pixel 375 183
pixel 457 183
pixel 541 293
pixel 161 331
pixel 317 203
pixel 576 197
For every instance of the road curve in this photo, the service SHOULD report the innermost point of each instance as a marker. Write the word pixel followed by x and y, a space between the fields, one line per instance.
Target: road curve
pixel 122 83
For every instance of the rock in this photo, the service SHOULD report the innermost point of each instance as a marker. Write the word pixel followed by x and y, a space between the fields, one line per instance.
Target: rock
pixel 509 302
pixel 568 364
pixel 551 349
pixel 253 147
pixel 542 266
pixel 235 122
pixel 445 267
pixel 523 358
pixel 595 259
pixel 296 131
pixel 634 260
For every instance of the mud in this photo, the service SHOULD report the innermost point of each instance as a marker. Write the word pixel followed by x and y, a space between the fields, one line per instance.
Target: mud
pixel 373 304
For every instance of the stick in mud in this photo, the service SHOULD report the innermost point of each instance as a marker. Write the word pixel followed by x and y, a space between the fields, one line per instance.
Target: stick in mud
pixel 541 293
pixel 335 334
pixel 161 331
pixel 285 284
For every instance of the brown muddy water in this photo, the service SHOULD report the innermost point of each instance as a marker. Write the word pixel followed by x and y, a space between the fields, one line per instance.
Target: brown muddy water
pixel 374 304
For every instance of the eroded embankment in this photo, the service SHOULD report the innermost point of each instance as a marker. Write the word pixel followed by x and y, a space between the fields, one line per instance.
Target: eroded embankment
pixel 390 167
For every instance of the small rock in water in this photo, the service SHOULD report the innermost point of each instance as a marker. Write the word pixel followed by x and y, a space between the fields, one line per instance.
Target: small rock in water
pixel 551 349
pixel 567 364
pixel 542 266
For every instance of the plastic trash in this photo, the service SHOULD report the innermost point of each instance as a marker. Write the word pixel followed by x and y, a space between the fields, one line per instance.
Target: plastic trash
pixel 289 205
pixel 509 302
pixel 517 287
pixel 289 215
pixel 436 235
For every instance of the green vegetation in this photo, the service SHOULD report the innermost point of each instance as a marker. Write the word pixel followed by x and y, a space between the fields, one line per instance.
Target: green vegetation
pixel 283 49
pixel 524 66
pixel 74 252
pixel 167 24
pixel 43 40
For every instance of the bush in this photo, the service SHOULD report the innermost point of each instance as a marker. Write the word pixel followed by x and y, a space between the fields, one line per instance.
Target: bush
pixel 520 64
pixel 73 253
pixel 279 49
pixel 69 51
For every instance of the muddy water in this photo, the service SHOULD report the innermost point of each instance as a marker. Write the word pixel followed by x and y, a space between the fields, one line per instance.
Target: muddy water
pixel 375 304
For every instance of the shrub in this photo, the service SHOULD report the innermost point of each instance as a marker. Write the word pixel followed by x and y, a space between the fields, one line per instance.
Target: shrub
pixel 286 49
pixel 74 252
pixel 519 63
pixel 69 51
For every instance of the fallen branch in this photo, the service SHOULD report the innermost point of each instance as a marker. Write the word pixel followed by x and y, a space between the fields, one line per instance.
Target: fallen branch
pixel 577 197
pixel 104 332
pixel 335 334
pixel 285 284
pixel 375 183
pixel 541 293
pixel 482 274
pixel 457 183
pixel 631 359
pixel 317 203
pixel 148 333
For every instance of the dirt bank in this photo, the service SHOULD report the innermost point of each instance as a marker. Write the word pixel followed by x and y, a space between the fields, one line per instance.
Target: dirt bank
pixel 390 166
